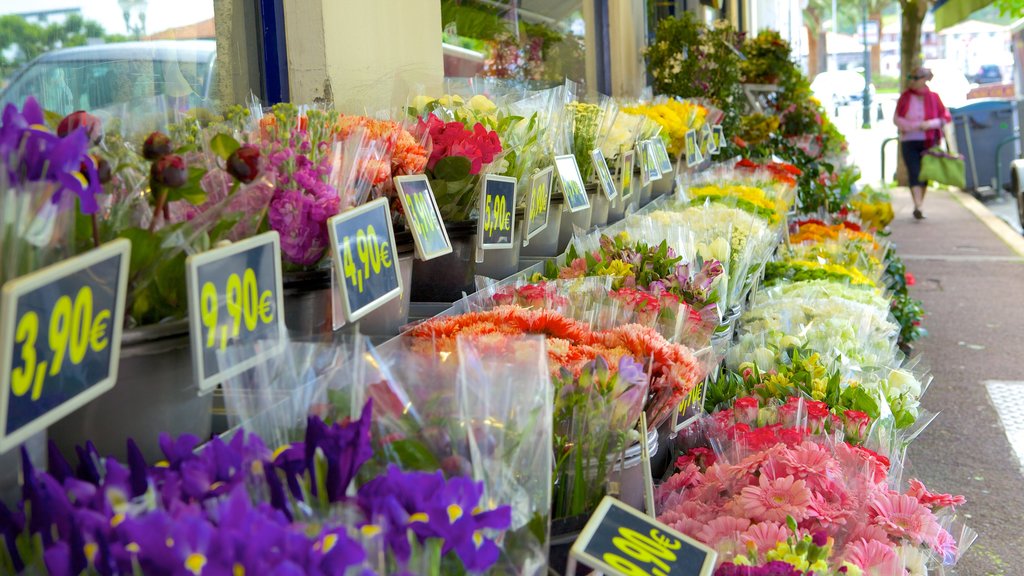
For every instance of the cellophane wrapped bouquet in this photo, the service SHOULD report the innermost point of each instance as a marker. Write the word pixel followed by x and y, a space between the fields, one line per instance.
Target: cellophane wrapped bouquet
pixel 778 491
pixel 674 117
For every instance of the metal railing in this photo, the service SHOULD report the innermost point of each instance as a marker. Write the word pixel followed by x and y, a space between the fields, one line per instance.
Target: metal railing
pixel 884 143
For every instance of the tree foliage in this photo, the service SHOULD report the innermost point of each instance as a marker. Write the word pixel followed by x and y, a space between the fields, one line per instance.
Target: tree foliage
pixel 21 40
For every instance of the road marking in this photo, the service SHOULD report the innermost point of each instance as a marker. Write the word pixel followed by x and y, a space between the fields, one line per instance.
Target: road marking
pixel 1008 398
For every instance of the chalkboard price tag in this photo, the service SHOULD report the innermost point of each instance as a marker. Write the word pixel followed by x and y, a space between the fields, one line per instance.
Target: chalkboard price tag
pixel 620 540
pixel 650 161
pixel 604 175
pixel 235 307
pixel 693 155
pixel 540 202
pixel 424 218
pixel 365 258
pixel 60 329
pixel 626 173
pixel 692 406
pixel 496 224
pixel 718 135
pixel 572 183
pixel 661 153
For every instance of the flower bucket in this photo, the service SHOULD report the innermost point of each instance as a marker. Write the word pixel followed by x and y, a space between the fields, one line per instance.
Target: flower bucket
pixel 571 221
pixel 155 392
pixel 389 318
pixel 601 207
pixel 646 194
pixel 500 264
pixel 545 243
pixel 10 467
pixel 723 336
pixel 307 304
pixel 616 209
pixel 445 278
pixel 629 475
pixel 666 185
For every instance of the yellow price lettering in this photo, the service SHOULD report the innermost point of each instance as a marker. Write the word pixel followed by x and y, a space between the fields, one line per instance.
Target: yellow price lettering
pixel 624 566
pixel 540 200
pixel 373 254
pixel 421 213
pixel 244 303
pixel 73 331
pixel 648 544
pixel 496 214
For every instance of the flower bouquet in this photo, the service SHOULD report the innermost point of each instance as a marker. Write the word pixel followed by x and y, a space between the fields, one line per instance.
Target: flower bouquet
pixel 236 507
pixel 873 207
pixel 788 499
pixel 748 198
pixel 674 118
pixel 463 148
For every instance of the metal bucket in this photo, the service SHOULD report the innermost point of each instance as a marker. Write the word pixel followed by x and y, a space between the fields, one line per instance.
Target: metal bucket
pixel 389 318
pixel 646 194
pixel 545 243
pixel 155 392
pixel 500 264
pixel 445 278
pixel 616 210
pixel 601 205
pixel 571 221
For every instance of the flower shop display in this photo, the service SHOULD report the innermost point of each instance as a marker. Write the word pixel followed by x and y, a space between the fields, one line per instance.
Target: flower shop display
pixel 237 507
pixel 787 499
pixel 674 118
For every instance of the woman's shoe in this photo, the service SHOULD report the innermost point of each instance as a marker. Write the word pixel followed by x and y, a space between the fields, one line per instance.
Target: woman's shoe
pixel 918 215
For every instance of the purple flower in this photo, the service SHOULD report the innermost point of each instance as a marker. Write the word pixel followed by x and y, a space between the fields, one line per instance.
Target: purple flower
pixel 632 372
pixel 346 447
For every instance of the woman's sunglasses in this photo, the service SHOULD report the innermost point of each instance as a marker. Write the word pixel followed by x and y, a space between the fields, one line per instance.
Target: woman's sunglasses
pixel 916 76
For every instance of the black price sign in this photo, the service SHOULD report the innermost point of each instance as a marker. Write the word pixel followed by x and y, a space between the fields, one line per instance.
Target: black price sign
pixel 423 216
pixel 540 202
pixel 718 135
pixel 619 540
pixel 496 225
pixel 693 155
pixel 61 334
pixel 572 183
pixel 626 173
pixel 365 258
pixel 604 175
pixel 235 307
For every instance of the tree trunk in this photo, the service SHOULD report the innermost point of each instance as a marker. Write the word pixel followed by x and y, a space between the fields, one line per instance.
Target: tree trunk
pixel 876 48
pixel 912 16
pixel 823 52
pixel 812 55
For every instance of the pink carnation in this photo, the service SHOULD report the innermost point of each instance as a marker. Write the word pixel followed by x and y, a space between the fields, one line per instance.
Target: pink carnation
pixel 774 500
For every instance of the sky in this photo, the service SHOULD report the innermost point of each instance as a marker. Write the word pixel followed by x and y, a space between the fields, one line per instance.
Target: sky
pixel 160 14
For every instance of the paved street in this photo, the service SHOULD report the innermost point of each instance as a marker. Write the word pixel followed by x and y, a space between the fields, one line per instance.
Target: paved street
pixel 968 260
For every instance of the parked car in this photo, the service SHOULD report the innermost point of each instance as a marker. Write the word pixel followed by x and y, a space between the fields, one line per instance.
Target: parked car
pixel 988 74
pixel 840 87
pixel 139 82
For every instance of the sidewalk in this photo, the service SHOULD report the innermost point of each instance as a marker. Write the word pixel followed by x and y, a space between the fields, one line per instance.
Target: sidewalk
pixel 970 277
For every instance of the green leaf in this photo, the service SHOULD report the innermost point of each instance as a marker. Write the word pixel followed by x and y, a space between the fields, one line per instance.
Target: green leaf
pixel 856 398
pixel 413 455
pixel 223 145
pixel 192 191
pixel 452 168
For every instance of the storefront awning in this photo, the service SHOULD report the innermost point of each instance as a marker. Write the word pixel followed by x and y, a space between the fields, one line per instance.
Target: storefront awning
pixel 952 12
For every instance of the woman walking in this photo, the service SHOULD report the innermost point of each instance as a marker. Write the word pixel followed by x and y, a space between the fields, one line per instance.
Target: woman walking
pixel 920 116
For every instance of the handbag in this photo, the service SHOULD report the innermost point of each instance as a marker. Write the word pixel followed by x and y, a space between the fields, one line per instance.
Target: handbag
pixel 937 165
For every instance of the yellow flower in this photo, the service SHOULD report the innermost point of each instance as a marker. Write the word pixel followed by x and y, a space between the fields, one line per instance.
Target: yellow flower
pixel 616 268
pixel 482 104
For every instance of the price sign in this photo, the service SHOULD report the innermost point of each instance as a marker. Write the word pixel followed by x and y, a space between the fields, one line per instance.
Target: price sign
pixel 572 183
pixel 619 540
pixel 626 174
pixel 424 218
pixel 365 258
pixel 693 155
pixel 692 406
pixel 661 153
pixel 496 225
pixel 235 307
pixel 540 202
pixel 60 329
pixel 604 175
pixel 718 135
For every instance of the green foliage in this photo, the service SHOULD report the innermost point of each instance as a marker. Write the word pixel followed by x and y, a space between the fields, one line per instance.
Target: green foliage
pixel 21 40
pixel 690 60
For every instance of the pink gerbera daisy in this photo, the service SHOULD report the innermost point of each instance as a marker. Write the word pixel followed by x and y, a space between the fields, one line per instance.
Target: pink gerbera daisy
pixel 933 501
pixel 722 530
pixel 873 557
pixel 765 535
pixel 902 516
pixel 774 500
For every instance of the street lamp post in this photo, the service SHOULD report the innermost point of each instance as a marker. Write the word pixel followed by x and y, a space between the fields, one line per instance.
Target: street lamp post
pixel 867 67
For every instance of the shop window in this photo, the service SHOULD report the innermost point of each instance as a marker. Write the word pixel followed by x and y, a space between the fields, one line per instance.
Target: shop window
pixel 128 59
pixel 542 42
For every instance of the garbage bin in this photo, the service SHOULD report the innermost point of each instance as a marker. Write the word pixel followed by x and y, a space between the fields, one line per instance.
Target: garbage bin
pixel 981 127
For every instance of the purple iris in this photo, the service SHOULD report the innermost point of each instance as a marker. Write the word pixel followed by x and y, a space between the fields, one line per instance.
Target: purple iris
pixel 346 448
pixel 34 154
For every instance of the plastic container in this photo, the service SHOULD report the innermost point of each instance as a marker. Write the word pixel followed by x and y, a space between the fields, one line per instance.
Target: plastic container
pixel 389 318
pixel 445 278
pixel 571 221
pixel 500 264
pixel 601 208
pixel 545 243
